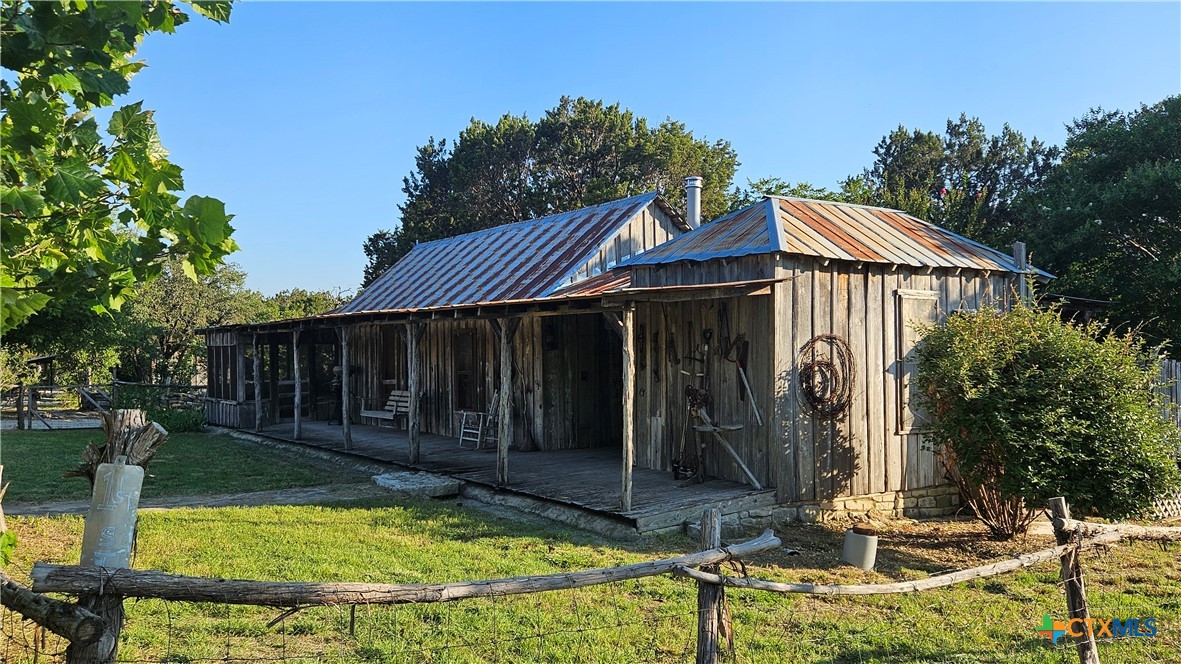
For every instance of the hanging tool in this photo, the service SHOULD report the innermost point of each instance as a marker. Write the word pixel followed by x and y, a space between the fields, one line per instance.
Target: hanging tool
pixel 670 348
pixel 738 353
pixel 641 348
pixel 655 357
pixel 707 335
pixel 724 328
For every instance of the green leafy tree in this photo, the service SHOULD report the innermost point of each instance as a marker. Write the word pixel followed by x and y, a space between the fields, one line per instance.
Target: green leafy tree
pixel 299 303
pixel 159 344
pixel 582 152
pixel 755 190
pixel 1025 407
pixel 85 345
pixel 1107 219
pixel 963 180
pixel 90 213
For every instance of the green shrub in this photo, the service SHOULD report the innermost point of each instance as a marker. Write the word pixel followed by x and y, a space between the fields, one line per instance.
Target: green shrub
pixel 153 400
pixel 178 420
pixel 1028 407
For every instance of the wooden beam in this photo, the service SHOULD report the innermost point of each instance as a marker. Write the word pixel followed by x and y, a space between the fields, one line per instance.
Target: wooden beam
pixel 627 323
pixel 685 295
pixel 414 333
pixel 298 429
pixel 62 618
pixel 614 322
pixel 257 384
pixel 506 328
pixel 175 587
pixel 346 419
pixel 898 587
pixel 1126 530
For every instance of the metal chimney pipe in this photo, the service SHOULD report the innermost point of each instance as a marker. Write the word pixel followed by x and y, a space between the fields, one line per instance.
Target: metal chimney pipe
pixel 693 200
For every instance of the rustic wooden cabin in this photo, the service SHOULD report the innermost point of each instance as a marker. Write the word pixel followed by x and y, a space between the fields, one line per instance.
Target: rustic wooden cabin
pixel 652 366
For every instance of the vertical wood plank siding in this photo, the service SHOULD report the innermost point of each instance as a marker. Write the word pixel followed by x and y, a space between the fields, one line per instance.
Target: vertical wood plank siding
pixel 804 457
pixel 862 451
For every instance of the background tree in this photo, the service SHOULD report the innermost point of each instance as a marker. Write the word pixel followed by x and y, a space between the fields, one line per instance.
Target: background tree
pixel 87 213
pixel 1107 220
pixel 755 190
pixel 580 153
pixel 964 180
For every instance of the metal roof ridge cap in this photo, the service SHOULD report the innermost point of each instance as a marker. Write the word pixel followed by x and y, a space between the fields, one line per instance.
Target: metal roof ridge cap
pixel 549 218
pixel 774 229
pixel 821 200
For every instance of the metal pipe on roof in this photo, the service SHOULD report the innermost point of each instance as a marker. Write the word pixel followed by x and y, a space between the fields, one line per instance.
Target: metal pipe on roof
pixel 693 200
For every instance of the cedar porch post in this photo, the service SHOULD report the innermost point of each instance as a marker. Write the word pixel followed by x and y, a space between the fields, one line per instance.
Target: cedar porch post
pixel 273 371
pixel 346 415
pixel 298 385
pixel 257 384
pixel 506 329
pixel 240 370
pixel 629 405
pixel 414 333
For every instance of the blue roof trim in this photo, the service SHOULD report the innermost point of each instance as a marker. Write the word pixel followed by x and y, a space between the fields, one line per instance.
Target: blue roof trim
pixel 774 228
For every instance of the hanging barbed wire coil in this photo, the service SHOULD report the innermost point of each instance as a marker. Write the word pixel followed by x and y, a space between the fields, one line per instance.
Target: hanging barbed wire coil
pixel 826 372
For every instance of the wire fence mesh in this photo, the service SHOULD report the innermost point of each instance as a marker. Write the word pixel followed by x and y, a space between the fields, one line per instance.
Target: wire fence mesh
pixel 655 619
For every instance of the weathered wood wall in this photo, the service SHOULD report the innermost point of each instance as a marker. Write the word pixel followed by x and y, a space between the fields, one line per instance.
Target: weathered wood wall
pixel 722 270
pixel 668 335
pixel 564 366
pixel 649 228
pixel 872 447
pixel 567 372
pixel 222 406
pixel 869 448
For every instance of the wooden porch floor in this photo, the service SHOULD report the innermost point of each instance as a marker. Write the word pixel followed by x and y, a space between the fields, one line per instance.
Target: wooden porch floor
pixel 587 479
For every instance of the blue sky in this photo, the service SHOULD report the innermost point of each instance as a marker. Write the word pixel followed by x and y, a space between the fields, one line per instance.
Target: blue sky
pixel 304 117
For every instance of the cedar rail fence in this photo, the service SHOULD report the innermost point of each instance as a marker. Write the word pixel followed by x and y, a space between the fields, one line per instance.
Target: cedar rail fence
pixel 714 631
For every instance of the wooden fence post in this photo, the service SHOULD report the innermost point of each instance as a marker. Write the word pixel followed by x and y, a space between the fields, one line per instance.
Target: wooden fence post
pixel 107 541
pixel 20 406
pixel 709 596
pixel 1076 591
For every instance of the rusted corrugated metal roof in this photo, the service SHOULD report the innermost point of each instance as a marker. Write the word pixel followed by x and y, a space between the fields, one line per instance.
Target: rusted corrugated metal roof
pixel 520 261
pixel 839 231
pixel 604 283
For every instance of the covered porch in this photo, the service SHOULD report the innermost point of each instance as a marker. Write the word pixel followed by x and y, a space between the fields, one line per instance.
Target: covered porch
pixel 579 479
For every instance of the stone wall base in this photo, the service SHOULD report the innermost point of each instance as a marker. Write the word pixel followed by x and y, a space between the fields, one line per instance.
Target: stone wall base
pixel 930 502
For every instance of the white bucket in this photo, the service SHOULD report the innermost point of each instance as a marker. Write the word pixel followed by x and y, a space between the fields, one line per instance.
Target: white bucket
pixel 861 548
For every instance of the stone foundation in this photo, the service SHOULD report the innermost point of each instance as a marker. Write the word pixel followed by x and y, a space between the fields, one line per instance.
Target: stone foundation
pixel 924 503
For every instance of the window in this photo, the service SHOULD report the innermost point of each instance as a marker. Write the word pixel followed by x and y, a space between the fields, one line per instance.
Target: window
pixel 915 308
pixel 465 371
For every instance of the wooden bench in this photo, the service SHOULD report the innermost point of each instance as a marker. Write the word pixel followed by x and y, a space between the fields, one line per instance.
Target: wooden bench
pixel 396 406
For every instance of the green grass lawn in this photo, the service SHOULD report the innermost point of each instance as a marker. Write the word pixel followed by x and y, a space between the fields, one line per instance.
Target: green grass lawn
pixel 637 621
pixel 188 464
